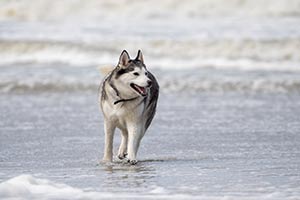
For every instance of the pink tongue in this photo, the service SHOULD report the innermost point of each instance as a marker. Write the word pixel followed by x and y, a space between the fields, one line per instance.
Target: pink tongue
pixel 142 90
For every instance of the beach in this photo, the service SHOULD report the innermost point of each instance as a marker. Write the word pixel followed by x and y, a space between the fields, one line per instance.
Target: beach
pixel 227 123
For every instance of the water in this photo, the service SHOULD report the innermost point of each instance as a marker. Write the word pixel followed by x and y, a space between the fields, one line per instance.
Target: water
pixel 227 124
pixel 203 146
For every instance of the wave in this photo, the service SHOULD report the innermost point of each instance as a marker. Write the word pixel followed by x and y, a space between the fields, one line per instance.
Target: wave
pixel 227 84
pixel 29 187
pixel 196 65
pixel 187 81
pixel 96 10
pixel 26 186
pixel 273 55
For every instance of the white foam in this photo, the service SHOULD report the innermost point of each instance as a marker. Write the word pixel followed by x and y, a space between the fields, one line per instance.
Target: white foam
pixel 194 80
pixel 277 55
pixel 29 187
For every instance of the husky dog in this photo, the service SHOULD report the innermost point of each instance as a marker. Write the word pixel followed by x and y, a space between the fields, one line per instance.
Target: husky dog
pixel 128 101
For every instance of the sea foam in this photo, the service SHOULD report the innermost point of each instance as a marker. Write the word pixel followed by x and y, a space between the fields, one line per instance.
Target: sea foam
pixel 26 186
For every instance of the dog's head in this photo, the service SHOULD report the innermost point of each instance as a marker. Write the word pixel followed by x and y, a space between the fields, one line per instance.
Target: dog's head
pixel 132 75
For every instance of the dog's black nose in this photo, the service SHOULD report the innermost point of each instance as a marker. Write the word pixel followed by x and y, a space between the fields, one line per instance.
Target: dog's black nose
pixel 149 83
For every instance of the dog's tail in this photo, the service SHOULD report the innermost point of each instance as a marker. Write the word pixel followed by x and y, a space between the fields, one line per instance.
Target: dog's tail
pixel 105 69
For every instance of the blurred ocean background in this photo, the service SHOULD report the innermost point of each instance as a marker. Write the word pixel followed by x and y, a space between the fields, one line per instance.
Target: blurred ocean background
pixel 234 45
pixel 227 125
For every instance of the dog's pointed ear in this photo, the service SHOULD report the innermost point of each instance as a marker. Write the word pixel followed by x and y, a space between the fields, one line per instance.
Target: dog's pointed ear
pixel 140 56
pixel 124 59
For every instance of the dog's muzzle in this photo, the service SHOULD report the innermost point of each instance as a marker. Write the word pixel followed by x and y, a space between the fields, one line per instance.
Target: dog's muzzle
pixel 141 90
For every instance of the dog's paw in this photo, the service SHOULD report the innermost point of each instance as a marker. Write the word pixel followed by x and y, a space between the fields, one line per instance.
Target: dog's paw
pixel 132 162
pixel 122 156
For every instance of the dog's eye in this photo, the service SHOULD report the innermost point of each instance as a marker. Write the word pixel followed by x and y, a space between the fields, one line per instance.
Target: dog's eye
pixel 136 74
pixel 146 73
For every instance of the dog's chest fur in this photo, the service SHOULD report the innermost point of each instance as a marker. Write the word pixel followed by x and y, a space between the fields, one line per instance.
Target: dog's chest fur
pixel 124 113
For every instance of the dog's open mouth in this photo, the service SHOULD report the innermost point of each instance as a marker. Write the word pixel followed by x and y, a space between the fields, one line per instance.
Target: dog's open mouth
pixel 141 90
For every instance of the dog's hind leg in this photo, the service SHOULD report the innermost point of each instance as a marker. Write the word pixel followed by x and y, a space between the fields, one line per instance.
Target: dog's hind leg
pixel 109 136
pixel 123 146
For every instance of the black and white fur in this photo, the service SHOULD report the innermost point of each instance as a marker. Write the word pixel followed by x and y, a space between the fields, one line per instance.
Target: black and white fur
pixel 128 101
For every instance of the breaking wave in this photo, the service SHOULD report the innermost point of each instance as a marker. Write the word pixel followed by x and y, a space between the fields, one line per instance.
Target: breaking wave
pixel 278 55
pixel 30 187
pixel 190 81
pixel 197 66
pixel 252 86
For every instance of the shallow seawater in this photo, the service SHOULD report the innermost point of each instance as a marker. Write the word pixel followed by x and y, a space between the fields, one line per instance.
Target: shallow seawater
pixel 202 146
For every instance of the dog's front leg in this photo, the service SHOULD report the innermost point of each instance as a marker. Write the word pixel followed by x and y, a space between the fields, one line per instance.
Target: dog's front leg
pixel 123 146
pixel 109 136
pixel 134 139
